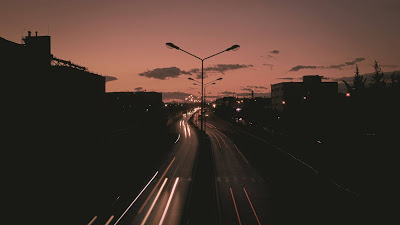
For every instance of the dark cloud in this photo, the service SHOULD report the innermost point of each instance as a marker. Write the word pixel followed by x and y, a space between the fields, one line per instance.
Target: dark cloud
pixel 228 93
pixel 164 73
pixel 350 79
pixel 274 52
pixel 287 78
pixel 269 65
pixel 219 68
pixel 338 66
pixel 390 66
pixel 247 94
pixel 254 88
pixel 110 78
pixel 300 67
pixel 138 88
pixel 174 95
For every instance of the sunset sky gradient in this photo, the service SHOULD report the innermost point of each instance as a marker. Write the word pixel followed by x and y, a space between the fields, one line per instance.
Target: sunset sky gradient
pixel 278 39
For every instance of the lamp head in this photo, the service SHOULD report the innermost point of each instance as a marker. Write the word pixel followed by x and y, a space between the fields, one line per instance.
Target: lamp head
pixel 171 46
pixel 234 48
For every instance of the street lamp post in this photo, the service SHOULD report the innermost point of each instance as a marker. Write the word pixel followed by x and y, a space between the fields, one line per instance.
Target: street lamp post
pixel 234 48
pixel 203 97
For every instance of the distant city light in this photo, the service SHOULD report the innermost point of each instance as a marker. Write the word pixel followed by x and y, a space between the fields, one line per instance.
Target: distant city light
pixel 304 97
pixel 214 105
pixel 347 94
pixel 238 109
pixel 283 102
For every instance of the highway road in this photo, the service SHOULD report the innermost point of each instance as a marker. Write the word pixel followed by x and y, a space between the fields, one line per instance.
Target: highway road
pixel 243 195
pixel 162 199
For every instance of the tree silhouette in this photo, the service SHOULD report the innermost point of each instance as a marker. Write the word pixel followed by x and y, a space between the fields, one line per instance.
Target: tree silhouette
pixel 395 80
pixel 377 78
pixel 358 82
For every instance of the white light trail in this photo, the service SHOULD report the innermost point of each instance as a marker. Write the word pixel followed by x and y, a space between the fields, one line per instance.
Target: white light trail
pixel 154 202
pixel 136 198
pixel 179 136
pixel 169 201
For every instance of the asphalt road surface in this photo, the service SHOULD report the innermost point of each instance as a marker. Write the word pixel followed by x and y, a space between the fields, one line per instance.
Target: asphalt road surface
pixel 162 199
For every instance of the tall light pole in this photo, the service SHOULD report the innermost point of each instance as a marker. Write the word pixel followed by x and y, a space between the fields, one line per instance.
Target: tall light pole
pixel 204 91
pixel 234 48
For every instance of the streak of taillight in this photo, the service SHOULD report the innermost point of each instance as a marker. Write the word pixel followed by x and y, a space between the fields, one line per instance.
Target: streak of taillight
pixel 154 201
pixel 169 201
pixel 254 211
pixel 222 140
pixel 234 203
pixel 241 153
pixel 217 140
pixel 136 198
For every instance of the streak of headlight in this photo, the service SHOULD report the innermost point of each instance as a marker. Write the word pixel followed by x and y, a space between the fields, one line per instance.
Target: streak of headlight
pixel 94 218
pixel 169 201
pixel 184 128
pixel 179 136
pixel 188 128
pixel 154 202
pixel 109 220
pixel 254 211
pixel 159 181
pixel 136 198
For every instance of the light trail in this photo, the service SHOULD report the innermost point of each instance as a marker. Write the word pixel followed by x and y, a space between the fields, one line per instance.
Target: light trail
pixel 109 220
pixel 169 201
pixel 136 198
pixel 234 203
pixel 154 202
pixel 188 128
pixel 254 211
pixel 240 153
pixel 162 176
pixel 217 140
pixel 184 128
pixel 222 140
pixel 179 136
pixel 94 218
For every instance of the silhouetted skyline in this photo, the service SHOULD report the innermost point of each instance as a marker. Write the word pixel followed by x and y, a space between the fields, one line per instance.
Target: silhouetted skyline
pixel 126 40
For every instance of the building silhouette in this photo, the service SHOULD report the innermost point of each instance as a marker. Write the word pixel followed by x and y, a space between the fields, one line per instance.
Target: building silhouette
pixel 54 113
pixel 312 90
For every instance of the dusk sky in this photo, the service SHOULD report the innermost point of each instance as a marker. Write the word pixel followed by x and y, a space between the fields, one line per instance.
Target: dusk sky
pixel 278 39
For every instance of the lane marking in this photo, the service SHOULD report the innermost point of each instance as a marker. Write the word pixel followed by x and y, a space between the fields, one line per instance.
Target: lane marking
pixel 241 153
pixel 94 218
pixel 234 203
pixel 169 201
pixel 179 136
pixel 162 176
pixel 154 202
pixel 136 198
pixel 254 211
